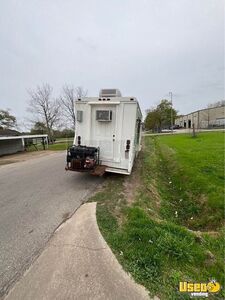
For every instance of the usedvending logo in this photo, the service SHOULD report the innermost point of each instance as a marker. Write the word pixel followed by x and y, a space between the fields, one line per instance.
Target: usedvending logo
pixel 199 289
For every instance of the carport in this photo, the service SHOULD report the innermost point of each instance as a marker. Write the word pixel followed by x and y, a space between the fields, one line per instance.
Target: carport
pixel 14 144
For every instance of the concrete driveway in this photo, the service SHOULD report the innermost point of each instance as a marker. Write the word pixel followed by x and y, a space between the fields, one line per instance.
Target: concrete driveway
pixel 36 196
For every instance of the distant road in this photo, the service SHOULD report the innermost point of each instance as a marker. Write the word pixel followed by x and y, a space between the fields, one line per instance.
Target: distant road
pixel 35 197
pixel 180 131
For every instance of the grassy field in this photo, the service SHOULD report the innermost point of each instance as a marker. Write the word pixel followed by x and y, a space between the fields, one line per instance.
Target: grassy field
pixel 53 147
pixel 59 146
pixel 164 222
pixel 194 185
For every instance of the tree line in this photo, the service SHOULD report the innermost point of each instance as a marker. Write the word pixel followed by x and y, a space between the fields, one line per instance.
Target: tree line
pixel 163 115
pixel 54 112
pixel 48 114
pixel 217 104
pixel 160 117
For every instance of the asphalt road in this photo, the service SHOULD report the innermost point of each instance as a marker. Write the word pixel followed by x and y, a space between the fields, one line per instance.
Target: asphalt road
pixel 35 197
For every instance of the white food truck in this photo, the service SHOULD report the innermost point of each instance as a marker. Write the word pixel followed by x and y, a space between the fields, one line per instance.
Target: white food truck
pixel 107 134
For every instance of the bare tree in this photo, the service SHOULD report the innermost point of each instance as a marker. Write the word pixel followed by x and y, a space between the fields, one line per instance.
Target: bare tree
pixel 217 104
pixel 68 98
pixel 81 92
pixel 44 108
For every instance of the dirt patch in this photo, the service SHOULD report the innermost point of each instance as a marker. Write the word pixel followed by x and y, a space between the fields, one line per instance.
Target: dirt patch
pixel 200 234
pixel 154 194
pixel 6 162
pixel 22 156
pixel 130 188
pixel 132 183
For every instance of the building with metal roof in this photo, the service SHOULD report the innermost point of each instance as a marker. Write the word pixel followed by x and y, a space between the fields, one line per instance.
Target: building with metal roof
pixel 19 143
pixel 212 117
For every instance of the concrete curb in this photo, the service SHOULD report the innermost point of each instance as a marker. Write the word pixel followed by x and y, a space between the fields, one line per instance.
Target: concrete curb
pixel 77 264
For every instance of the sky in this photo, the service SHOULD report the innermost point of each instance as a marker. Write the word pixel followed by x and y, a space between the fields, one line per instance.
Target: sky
pixel 146 48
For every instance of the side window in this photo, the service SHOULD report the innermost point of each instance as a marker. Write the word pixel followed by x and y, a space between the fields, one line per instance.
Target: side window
pixel 79 116
pixel 138 126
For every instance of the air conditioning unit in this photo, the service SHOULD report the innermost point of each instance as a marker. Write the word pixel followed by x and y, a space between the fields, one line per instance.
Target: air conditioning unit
pixel 110 93
pixel 104 115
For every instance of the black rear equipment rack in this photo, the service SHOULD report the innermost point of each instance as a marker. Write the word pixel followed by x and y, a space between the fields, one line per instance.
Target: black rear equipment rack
pixel 82 158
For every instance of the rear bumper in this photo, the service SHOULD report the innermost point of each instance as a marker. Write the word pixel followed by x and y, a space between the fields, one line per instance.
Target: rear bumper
pixel 117 170
pixel 78 158
pixel 68 168
pixel 107 169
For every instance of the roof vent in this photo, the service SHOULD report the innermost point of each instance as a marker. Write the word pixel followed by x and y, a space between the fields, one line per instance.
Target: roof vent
pixel 109 93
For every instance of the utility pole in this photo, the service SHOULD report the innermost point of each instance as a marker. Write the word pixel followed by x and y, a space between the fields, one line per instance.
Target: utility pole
pixel 171 115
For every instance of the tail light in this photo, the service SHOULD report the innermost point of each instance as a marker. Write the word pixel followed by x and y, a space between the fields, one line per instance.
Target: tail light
pixel 79 140
pixel 128 146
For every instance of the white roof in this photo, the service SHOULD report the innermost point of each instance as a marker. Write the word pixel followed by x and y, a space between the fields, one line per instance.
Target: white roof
pixel 23 137
pixel 113 100
pixel 107 99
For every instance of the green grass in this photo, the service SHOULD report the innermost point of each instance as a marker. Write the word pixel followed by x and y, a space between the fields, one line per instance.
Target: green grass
pixel 65 139
pixel 152 232
pixel 52 147
pixel 59 146
pixel 191 178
